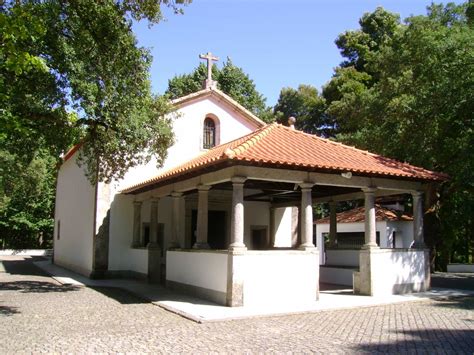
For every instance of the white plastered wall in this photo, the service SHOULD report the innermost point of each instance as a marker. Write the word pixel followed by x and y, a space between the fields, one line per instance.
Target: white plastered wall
pixel 188 134
pixel 188 128
pixel 280 277
pixel 283 227
pixel 393 270
pixel 256 214
pixel 403 233
pixel 74 211
pixel 198 268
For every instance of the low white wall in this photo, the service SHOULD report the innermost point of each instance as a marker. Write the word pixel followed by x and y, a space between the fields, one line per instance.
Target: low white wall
pixel 27 252
pixel 138 260
pixel 203 269
pixel 337 276
pixel 342 257
pixel 278 277
pixel 397 271
pixel 460 267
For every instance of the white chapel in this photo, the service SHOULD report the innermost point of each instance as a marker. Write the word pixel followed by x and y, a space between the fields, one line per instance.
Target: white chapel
pixel 229 217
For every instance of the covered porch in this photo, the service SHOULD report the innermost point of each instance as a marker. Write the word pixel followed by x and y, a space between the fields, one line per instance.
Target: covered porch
pixel 266 251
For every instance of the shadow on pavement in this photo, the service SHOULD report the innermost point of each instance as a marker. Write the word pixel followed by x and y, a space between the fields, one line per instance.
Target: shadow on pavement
pixel 23 266
pixel 456 302
pixel 120 295
pixel 460 281
pixel 8 311
pixel 457 341
pixel 35 286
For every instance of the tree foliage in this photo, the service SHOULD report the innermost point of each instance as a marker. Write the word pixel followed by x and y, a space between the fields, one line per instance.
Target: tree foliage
pixel 71 71
pixel 231 79
pixel 411 97
pixel 307 106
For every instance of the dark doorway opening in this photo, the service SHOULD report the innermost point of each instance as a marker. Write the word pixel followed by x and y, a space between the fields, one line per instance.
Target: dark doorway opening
pixel 216 229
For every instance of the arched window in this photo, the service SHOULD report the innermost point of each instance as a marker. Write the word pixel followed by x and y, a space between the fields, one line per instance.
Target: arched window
pixel 209 138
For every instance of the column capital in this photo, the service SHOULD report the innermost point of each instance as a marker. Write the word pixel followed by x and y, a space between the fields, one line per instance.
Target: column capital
pixel 417 193
pixel 154 199
pixel 238 180
pixel 369 190
pixel 137 203
pixel 306 185
pixel 202 187
pixel 176 194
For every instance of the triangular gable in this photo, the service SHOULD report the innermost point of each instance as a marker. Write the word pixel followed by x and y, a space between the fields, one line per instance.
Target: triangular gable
pixel 221 97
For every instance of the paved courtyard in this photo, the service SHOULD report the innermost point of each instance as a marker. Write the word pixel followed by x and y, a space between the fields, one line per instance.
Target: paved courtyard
pixel 39 315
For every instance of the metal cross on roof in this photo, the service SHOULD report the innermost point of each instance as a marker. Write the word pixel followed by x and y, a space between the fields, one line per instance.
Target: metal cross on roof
pixel 210 58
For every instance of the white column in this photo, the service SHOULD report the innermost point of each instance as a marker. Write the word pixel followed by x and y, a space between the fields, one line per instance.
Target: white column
pixel 332 224
pixel 418 237
pixel 175 219
pixel 237 217
pixel 370 222
pixel 306 216
pixel 137 221
pixel 154 223
pixel 202 214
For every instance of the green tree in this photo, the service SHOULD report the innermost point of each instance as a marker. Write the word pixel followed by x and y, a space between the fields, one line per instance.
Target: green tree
pixel 70 72
pixel 376 29
pixel 61 58
pixel 307 106
pixel 231 79
pixel 413 100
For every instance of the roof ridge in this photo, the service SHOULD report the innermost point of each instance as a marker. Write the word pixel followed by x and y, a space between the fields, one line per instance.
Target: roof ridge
pixel 231 153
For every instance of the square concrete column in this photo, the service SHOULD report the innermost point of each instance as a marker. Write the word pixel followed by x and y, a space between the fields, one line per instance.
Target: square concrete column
pixel 137 221
pixel 418 237
pixel 176 219
pixel 370 222
pixel 332 224
pixel 154 249
pixel 202 214
pixel 306 216
pixel 237 217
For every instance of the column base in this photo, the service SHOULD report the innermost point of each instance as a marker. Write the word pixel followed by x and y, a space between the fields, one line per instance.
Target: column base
pixel 153 246
pixel 173 245
pixel 237 247
pixel 307 247
pixel 201 246
pixel 370 246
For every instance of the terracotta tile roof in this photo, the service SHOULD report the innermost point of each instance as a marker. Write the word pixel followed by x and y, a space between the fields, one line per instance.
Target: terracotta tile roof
pixel 358 215
pixel 220 96
pixel 73 150
pixel 278 146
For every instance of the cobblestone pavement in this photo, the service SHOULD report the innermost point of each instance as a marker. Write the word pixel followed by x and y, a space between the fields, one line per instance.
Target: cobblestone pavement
pixel 39 315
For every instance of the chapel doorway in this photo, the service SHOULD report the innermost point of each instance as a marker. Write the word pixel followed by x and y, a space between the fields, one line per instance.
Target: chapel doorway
pixel 216 229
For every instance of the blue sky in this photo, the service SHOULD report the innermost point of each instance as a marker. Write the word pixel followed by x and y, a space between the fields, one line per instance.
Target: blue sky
pixel 278 43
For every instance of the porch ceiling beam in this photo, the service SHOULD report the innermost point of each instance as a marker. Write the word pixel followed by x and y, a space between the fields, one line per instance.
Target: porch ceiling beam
pixel 354 196
pixel 282 175
pixel 295 176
